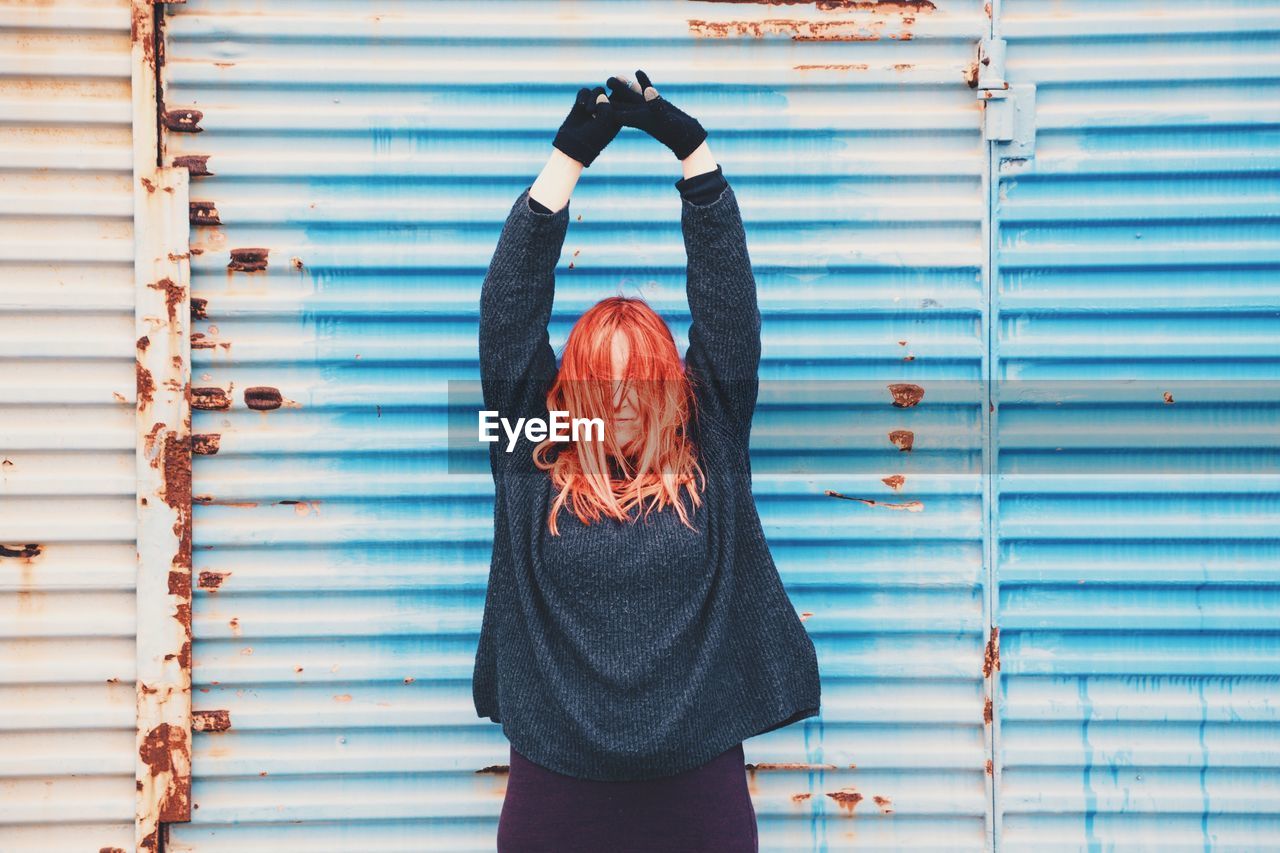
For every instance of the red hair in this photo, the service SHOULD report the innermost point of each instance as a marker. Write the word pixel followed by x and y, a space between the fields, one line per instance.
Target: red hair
pixel 656 467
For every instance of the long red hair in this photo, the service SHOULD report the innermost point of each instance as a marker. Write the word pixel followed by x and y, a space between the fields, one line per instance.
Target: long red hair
pixel 658 466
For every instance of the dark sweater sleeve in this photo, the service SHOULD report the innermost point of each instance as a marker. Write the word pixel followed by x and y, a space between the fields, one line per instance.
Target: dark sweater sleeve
pixel 723 358
pixel 517 364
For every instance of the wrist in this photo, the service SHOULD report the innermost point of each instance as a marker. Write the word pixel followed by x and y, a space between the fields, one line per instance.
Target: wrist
pixel 556 181
pixel 699 161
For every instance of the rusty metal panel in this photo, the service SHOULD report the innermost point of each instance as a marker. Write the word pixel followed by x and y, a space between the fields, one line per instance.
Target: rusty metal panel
pixel 351 164
pixel 67 520
pixel 1137 305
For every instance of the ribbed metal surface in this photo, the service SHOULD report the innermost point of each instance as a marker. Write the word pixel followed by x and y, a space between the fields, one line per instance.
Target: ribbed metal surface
pixel 1139 588
pixel 372 153
pixel 67 521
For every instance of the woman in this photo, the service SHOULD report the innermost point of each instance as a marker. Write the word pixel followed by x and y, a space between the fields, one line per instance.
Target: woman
pixel 635 628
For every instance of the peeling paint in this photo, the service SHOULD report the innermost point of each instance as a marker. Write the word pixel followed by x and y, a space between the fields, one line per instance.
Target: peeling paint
pixel 248 260
pixel 210 399
pixel 847 799
pixel 211 721
pixel 203 213
pixel 206 443
pixel 213 580
pixel 894 481
pixel 263 398
pixel 870 28
pixel 906 394
pixel 903 439
pixel 146 386
pixel 197 165
pixel 991 656
pixel 909 506
pixel 183 121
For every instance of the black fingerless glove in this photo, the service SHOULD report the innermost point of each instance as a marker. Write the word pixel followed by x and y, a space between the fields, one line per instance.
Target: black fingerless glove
pixel 641 106
pixel 589 126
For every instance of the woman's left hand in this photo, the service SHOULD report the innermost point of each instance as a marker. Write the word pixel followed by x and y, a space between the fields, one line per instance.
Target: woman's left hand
pixel 589 127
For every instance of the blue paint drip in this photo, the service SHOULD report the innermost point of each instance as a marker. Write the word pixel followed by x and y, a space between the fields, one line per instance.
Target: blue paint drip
pixel 1204 768
pixel 1090 795
pixel 817 821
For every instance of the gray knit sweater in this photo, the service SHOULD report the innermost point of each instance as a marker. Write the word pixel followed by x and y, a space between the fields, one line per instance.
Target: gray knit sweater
pixel 618 650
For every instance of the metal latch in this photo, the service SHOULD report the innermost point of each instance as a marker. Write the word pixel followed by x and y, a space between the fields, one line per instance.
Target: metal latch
pixel 1009 112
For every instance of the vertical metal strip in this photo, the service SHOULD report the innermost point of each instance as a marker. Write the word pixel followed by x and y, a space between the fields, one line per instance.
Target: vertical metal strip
pixel 163 456
pixel 991 470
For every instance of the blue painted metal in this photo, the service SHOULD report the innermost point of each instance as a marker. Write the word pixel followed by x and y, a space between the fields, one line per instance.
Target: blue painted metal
pixel 350 568
pixel 1136 311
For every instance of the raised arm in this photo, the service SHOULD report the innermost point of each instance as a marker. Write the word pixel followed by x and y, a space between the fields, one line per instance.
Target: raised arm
pixel 517 364
pixel 723 358
pixel 724 338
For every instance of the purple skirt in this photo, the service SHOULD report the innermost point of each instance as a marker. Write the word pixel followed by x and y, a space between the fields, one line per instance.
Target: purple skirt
pixel 704 810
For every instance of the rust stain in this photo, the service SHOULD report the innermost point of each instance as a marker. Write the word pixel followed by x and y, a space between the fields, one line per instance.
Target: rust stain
pixel 21 552
pixel 210 721
pixel 884 803
pixel 906 394
pixel 198 341
pixel 177 494
pixel 890 6
pixel 847 798
pixel 149 184
pixel 987 711
pixel 110 850
pixel 991 657
pixel 248 260
pixel 903 439
pixel 871 29
pixel 804 616
pixel 297 263
pixel 203 213
pixel 172 296
pixel 235 626
pixel 833 66
pixel 213 580
pixel 263 398
pixel 149 443
pixel 1168 397
pixel 903 66
pixel 199 308
pixel 146 386
pixel 167 750
pixel 210 398
pixel 142 343
pixel 206 443
pixel 409 679
pixel 495 769
pixel 909 506
pixel 990 769
pixel 342 697
pixel 197 165
pixel 183 121
pixel 800 798
pixel 788 765
pixel 894 481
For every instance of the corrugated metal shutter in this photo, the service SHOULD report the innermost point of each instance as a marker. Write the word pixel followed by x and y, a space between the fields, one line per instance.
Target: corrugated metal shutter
pixel 1137 537
pixel 67 519
pixel 349 180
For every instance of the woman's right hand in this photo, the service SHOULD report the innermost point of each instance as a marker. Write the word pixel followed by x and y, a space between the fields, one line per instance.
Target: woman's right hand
pixel 589 126
pixel 640 105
